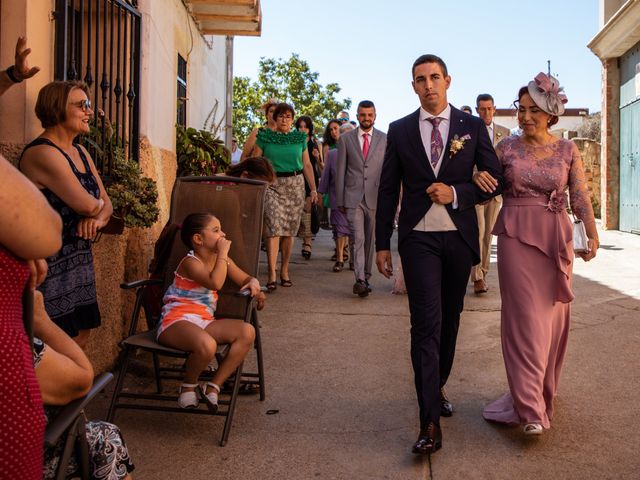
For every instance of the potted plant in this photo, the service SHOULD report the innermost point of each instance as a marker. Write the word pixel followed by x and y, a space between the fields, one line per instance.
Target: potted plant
pixel 134 196
pixel 200 152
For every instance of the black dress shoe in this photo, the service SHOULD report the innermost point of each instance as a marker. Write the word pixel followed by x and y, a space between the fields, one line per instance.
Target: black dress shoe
pixel 446 407
pixel 360 289
pixel 429 441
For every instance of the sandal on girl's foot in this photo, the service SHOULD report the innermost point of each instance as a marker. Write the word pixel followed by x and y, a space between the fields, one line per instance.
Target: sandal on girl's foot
pixel 532 429
pixel 285 282
pixel 306 251
pixel 271 286
pixel 337 267
pixel 188 399
pixel 211 397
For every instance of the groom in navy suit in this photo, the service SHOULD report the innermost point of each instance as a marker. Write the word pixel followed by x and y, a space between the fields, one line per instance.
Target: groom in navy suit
pixel 432 153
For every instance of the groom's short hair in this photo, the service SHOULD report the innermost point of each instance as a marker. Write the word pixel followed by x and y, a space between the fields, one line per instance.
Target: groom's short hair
pixel 429 58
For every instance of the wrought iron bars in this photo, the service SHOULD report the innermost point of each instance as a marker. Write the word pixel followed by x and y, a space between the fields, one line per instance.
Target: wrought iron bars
pixel 102 39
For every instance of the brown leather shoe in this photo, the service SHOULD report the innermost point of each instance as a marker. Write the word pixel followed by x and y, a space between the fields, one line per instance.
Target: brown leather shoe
pixel 446 407
pixel 429 440
pixel 480 286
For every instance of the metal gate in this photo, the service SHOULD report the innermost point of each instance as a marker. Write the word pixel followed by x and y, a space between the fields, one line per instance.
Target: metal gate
pixel 630 140
pixel 98 42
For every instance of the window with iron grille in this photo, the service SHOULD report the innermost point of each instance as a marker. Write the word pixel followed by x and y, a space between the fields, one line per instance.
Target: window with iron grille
pixel 181 118
pixel 98 42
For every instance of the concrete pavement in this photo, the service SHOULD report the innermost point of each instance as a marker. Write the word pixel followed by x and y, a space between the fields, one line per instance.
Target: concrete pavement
pixel 340 378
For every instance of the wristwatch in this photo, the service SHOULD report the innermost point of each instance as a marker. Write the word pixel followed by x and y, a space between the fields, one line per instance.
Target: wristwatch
pixel 12 75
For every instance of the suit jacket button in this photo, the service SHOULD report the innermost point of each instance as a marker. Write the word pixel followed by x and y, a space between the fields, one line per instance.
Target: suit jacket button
pixel 365 178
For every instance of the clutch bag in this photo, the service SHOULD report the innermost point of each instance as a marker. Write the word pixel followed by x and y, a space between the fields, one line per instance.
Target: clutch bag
pixel 580 239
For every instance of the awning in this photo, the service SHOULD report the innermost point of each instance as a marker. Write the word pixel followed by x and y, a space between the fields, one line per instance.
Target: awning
pixel 619 34
pixel 227 17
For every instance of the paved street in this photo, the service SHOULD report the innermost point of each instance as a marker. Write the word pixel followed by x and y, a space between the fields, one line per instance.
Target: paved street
pixel 339 376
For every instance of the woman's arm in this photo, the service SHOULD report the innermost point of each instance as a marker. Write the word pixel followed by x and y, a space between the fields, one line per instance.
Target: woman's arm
pixel 247 150
pixel 29 227
pixel 64 373
pixel 580 200
pixel 46 167
pixel 88 227
pixel 307 169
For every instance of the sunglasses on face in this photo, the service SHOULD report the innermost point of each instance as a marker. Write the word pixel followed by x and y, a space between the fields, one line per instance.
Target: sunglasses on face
pixel 83 104
pixel 343 120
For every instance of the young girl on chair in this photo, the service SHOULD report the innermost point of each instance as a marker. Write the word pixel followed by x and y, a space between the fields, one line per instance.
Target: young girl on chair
pixel 187 321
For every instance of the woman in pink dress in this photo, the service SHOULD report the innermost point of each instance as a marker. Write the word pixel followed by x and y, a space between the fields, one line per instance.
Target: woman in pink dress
pixel 535 254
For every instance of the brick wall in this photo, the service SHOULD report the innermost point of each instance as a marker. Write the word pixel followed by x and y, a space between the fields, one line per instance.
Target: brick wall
pixel 590 153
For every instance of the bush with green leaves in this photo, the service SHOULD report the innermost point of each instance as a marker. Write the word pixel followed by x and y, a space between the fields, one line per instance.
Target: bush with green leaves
pixel 134 196
pixel 200 153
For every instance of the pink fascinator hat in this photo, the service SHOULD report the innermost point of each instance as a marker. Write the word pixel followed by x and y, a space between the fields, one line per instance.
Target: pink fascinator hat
pixel 547 94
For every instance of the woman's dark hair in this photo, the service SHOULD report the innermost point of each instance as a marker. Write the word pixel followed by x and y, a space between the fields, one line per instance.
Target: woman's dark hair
pixel 51 105
pixel 192 224
pixel 307 121
pixel 553 118
pixel 327 138
pixel 257 168
pixel 281 108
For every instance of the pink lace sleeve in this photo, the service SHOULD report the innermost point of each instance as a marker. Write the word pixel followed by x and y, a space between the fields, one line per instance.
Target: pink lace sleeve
pixel 579 195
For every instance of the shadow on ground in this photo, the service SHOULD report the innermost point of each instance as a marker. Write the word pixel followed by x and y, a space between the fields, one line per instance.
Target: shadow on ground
pixel 339 375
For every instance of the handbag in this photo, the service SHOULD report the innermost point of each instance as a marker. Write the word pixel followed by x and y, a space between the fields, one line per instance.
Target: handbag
pixel 315 219
pixel 580 239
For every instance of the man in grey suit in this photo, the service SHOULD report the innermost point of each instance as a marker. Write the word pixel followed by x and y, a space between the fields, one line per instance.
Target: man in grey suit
pixel 488 211
pixel 360 158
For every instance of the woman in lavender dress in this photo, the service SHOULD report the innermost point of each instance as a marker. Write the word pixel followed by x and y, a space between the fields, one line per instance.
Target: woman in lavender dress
pixel 339 222
pixel 535 254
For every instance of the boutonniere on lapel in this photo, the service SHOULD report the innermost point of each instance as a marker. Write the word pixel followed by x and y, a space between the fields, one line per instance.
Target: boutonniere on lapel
pixel 498 134
pixel 457 144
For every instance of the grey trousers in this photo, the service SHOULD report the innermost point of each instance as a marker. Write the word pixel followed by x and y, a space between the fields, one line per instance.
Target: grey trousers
pixel 362 222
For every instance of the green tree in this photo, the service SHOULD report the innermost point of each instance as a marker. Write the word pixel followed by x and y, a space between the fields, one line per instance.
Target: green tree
pixel 290 81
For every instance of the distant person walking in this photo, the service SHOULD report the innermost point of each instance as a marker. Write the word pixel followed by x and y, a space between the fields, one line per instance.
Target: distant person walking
pixel 360 157
pixel 487 211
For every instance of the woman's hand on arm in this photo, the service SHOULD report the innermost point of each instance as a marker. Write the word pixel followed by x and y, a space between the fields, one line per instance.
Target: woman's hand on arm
pixel 29 227
pixel 88 227
pixel 485 182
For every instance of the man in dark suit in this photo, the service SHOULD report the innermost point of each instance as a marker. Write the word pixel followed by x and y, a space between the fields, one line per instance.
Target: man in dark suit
pixel 432 153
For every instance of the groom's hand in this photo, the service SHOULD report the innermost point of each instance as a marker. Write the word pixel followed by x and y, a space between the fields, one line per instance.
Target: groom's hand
pixel 383 261
pixel 440 193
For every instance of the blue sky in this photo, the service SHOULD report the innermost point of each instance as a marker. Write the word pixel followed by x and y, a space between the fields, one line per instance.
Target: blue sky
pixel 492 46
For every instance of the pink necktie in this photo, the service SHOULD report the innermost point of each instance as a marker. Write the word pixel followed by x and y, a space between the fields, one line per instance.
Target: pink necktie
pixel 365 145
pixel 436 141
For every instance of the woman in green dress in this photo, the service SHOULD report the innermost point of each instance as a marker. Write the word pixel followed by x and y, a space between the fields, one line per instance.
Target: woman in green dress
pixel 286 149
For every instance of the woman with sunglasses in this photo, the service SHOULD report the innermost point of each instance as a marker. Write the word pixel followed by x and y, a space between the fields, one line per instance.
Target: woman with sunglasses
pixel 65 173
pixel 535 254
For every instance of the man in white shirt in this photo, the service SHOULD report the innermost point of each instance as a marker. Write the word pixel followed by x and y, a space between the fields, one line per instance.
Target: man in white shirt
pixel 432 153
pixel 487 211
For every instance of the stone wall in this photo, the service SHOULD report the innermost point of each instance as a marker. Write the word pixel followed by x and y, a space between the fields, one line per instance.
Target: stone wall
pixel 590 153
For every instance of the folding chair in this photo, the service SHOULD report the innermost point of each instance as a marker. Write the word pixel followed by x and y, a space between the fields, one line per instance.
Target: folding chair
pixel 238 204
pixel 69 424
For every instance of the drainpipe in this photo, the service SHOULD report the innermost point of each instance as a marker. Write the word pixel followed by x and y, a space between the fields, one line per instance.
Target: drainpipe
pixel 228 128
